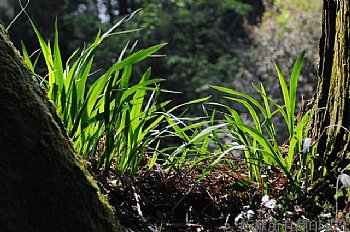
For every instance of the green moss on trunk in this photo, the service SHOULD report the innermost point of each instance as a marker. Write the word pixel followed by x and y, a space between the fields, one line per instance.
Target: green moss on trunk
pixel 339 99
pixel 331 121
pixel 43 185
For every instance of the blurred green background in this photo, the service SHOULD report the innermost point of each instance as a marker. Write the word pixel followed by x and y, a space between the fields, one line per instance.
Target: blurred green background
pixel 219 42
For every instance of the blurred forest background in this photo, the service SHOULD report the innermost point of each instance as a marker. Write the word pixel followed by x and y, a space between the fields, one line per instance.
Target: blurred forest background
pixel 219 42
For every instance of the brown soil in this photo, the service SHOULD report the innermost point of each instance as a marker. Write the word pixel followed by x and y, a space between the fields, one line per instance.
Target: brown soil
pixel 157 201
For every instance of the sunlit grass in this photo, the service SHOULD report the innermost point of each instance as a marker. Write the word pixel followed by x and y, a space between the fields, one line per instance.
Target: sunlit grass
pixel 119 121
pixel 112 111
pixel 261 140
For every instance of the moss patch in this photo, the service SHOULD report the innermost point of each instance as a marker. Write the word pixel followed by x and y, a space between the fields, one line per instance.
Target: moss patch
pixel 44 186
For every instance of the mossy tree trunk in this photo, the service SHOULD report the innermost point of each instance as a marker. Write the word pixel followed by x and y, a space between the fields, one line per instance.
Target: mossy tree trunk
pixel 331 121
pixel 43 185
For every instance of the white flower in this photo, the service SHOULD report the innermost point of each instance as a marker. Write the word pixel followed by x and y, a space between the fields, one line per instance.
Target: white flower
pixel 306 145
pixel 238 218
pixel 250 215
pixel 267 202
pixel 264 199
pixel 271 203
pixel 345 180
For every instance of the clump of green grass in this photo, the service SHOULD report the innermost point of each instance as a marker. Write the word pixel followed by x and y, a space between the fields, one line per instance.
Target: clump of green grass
pixel 111 111
pixel 261 140
pixel 258 142
pixel 124 118
pixel 202 143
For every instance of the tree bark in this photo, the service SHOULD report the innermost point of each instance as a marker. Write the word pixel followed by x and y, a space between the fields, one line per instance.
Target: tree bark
pixel 331 120
pixel 43 185
pixel 123 7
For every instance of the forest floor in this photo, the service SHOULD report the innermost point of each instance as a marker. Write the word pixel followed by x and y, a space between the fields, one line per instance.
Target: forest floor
pixel 157 201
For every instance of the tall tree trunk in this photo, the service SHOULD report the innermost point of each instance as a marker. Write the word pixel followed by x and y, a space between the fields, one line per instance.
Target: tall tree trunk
pixel 123 7
pixel 110 11
pixel 331 121
pixel 43 185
